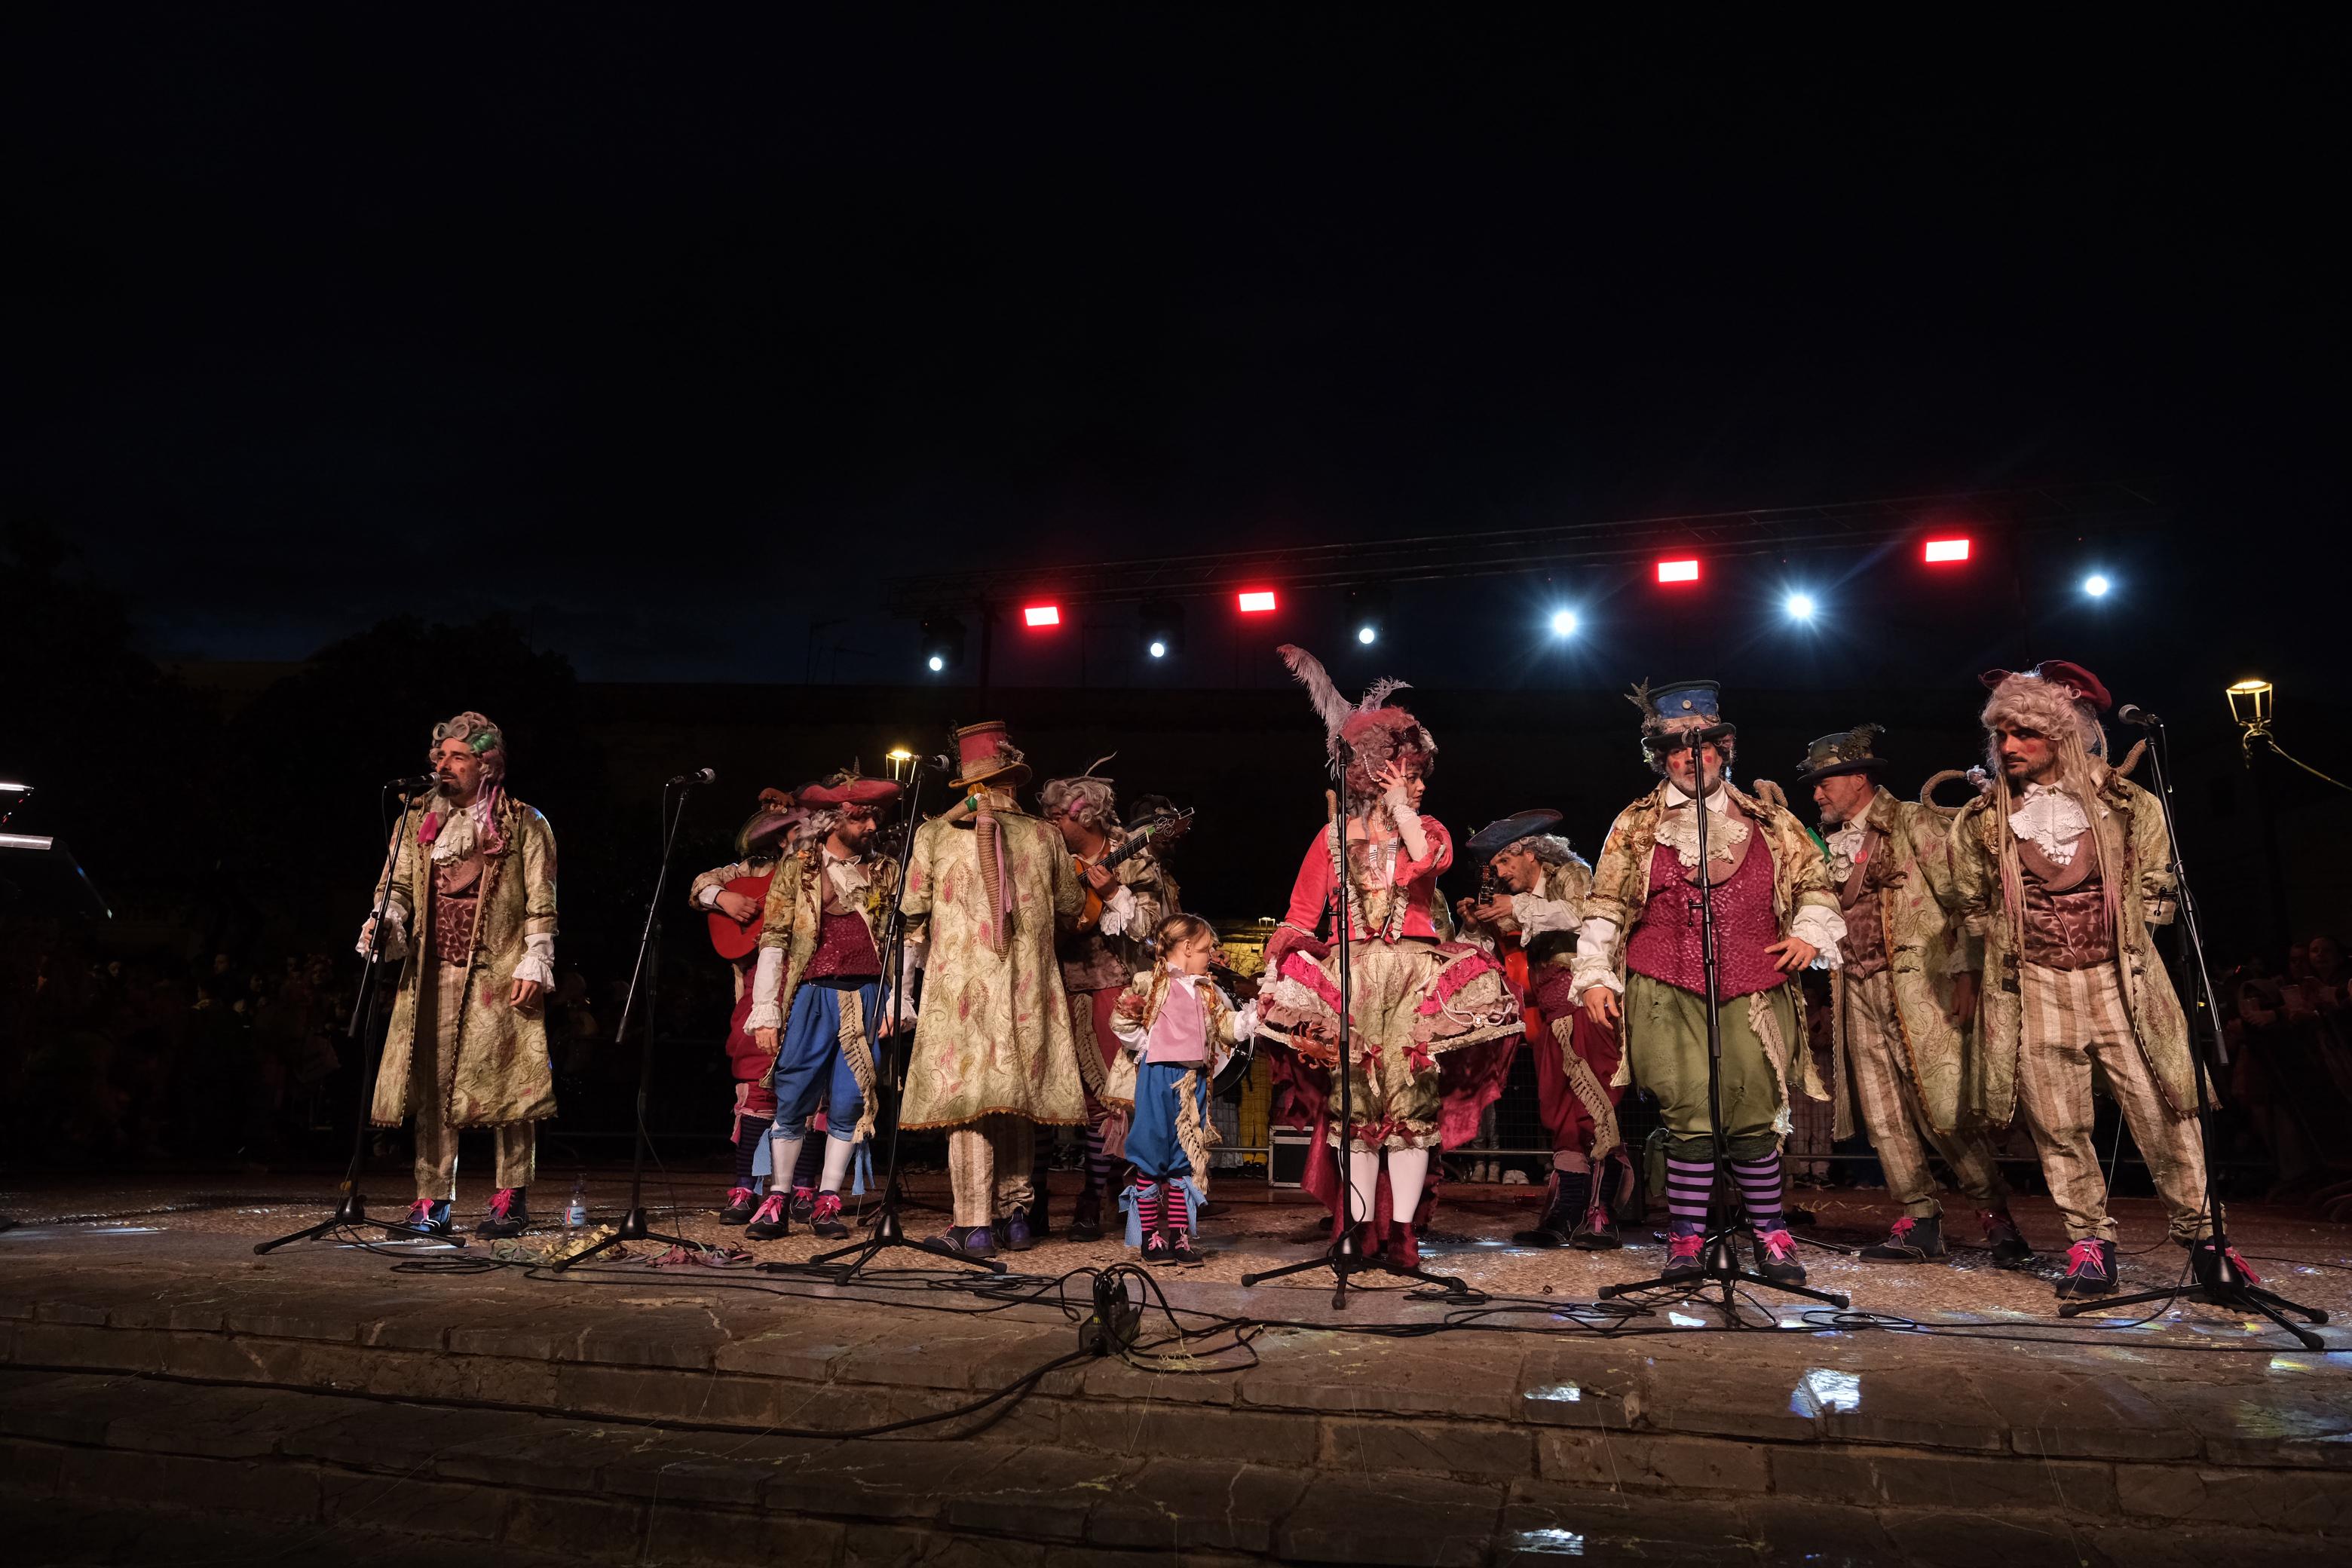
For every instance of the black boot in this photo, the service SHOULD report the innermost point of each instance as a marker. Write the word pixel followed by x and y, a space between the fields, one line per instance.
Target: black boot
pixel 1570 1192
pixel 2090 1269
pixel 1596 1228
pixel 2010 1247
pixel 508 1215
pixel 1913 1239
pixel 1085 1216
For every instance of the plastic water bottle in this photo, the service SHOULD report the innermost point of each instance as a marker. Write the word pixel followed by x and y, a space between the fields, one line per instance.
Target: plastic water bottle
pixel 575 1213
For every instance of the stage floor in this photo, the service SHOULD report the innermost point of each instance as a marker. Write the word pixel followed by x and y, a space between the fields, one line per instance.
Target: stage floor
pixel 166 1389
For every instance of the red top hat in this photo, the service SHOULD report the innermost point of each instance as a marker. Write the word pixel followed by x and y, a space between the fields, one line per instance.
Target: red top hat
pixel 986 754
pixel 2086 687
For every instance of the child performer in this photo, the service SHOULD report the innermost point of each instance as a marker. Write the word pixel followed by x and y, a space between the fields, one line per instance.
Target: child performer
pixel 1177 1029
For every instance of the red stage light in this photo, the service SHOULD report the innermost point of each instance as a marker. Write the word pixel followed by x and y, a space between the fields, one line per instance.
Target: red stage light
pixel 1684 571
pixel 1256 601
pixel 1043 614
pixel 1943 551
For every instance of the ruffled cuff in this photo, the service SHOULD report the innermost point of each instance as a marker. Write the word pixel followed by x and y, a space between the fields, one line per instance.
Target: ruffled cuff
pixel 1119 911
pixel 767 980
pixel 1596 939
pixel 1822 928
pixel 392 943
pixel 1245 1019
pixel 538 965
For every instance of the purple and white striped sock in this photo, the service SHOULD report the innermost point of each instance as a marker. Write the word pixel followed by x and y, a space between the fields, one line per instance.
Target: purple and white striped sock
pixel 1097 1162
pixel 1760 1190
pixel 1687 1185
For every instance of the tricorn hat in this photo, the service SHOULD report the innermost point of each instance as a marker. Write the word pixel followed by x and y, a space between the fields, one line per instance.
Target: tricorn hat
pixel 985 754
pixel 763 831
pixel 848 787
pixel 1847 751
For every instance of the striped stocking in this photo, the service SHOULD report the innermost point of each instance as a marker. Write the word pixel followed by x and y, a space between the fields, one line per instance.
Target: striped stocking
pixel 1760 1190
pixel 1687 1185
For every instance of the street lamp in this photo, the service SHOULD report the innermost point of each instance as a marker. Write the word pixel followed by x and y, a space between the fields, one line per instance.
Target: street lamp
pixel 899 757
pixel 2250 708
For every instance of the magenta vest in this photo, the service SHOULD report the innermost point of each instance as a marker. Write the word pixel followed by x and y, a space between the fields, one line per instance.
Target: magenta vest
pixel 1665 940
pixel 845 950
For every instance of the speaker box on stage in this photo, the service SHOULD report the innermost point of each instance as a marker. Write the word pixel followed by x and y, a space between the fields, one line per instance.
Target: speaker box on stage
pixel 1287 1165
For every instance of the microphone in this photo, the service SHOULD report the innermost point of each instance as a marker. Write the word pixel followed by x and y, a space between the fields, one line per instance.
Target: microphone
pixel 2133 713
pixel 940 761
pixel 698 776
pixel 411 783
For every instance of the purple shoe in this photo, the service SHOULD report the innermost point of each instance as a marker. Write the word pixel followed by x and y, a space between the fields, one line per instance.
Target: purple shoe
pixel 976 1242
pixel 1016 1231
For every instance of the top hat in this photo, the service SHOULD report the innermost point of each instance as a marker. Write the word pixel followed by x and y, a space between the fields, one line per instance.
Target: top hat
pixel 986 754
pixel 1847 751
pixel 1679 707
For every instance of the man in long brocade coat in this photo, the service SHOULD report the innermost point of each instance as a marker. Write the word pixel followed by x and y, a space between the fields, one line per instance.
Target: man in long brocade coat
pixel 1774 914
pixel 2063 865
pixel 472 910
pixel 987 888
pixel 1902 996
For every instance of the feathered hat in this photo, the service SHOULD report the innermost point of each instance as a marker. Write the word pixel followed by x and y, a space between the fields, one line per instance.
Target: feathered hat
pixel 1851 751
pixel 1369 734
pixel 1674 712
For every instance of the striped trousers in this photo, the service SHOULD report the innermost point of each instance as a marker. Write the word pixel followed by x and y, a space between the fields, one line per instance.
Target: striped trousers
pixel 2072 1018
pixel 1891 1113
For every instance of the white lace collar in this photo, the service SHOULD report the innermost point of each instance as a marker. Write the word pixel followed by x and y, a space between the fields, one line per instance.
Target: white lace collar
pixel 1679 829
pixel 2052 820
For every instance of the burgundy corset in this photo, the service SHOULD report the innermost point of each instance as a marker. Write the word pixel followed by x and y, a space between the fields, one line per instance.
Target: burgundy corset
pixel 1665 940
pixel 2067 929
pixel 845 950
pixel 453 926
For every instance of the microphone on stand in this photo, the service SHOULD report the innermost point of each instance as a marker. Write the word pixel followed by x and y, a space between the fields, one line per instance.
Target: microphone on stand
pixel 2133 713
pixel 411 783
pixel 698 776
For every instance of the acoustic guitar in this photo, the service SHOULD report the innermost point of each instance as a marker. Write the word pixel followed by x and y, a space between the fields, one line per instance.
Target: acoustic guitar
pixel 1165 825
pixel 737 943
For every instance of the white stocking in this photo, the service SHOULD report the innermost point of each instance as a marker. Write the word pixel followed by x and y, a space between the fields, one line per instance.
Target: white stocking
pixel 1408 1173
pixel 784 1153
pixel 837 1151
pixel 1363 1177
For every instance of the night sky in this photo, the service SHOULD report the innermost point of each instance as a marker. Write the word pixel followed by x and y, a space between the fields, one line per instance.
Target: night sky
pixel 662 333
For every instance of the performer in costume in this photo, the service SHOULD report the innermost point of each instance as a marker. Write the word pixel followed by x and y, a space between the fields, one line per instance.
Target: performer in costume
pixel 473 909
pixel 2063 865
pixel 987 889
pixel 758 845
pixel 1097 960
pixel 1540 888
pixel 1435 1020
pixel 1897 994
pixel 817 985
pixel 1177 1030
pixel 1774 914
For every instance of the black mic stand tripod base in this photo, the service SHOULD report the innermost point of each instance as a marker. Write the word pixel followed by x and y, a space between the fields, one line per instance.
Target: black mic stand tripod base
pixel 2228 1286
pixel 633 1226
pixel 352 1211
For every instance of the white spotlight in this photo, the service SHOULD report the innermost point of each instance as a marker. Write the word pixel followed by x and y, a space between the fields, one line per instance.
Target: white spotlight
pixel 2097 584
pixel 937 664
pixel 1563 623
pixel 1159 650
pixel 1801 606
pixel 1368 635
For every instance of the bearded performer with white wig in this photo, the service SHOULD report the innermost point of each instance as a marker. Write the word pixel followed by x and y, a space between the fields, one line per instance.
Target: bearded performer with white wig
pixel 472 909
pixel 1435 1020
pixel 2063 865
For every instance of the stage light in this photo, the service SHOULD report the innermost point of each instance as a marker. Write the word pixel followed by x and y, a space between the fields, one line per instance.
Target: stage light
pixel 1944 552
pixel 1682 571
pixel 1256 601
pixel 2097 584
pixel 1043 614
pixel 1162 625
pixel 943 645
pixel 1368 636
pixel 1563 623
pixel 1801 606
pixel 1368 611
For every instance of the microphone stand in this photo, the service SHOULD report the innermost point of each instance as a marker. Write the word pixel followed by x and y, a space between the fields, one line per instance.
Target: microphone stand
pixel 2231 1286
pixel 1337 1258
pixel 633 1226
pixel 888 1232
pixel 352 1209
pixel 1719 1259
